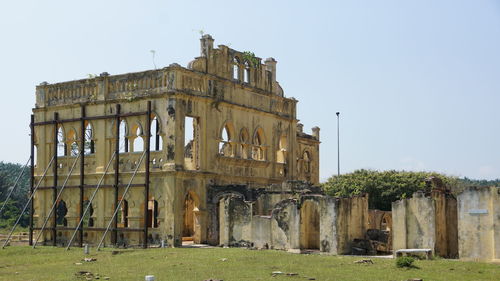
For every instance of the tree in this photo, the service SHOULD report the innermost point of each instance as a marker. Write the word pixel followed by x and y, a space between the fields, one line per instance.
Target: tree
pixel 383 187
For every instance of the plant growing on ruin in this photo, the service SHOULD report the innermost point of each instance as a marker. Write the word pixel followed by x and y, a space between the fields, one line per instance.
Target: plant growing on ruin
pixel 251 58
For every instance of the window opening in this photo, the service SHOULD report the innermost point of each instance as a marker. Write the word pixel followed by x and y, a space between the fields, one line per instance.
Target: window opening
pixel 236 69
pixel 123 137
pixel 244 143
pixel 246 74
pixel 88 221
pixel 61 211
pixel 89 140
pixel 282 148
pixel 61 144
pixel 153 213
pixel 138 141
pixel 74 149
pixel 258 141
pixel 123 214
pixel 225 147
pixel 155 143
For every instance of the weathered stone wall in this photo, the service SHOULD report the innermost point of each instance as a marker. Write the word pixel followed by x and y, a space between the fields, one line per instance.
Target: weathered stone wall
pixel 414 223
pixel 285 226
pixel 425 222
pixel 313 222
pixel 352 221
pixel 479 223
pixel 235 221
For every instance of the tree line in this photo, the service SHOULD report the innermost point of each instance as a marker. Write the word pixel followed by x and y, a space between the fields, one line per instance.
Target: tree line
pixel 385 187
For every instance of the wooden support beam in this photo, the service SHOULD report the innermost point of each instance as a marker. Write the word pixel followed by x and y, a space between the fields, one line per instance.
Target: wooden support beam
pixel 32 176
pixel 146 191
pixel 54 189
pixel 82 170
pixel 114 234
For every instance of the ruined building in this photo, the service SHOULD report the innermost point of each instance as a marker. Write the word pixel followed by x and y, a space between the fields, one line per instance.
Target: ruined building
pixel 155 155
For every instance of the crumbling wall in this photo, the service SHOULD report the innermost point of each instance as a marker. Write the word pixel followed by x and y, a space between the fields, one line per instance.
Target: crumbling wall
pixel 426 222
pixel 235 222
pixel 413 222
pixel 446 224
pixel 261 232
pixel 352 221
pixel 328 225
pixel 479 223
pixel 285 225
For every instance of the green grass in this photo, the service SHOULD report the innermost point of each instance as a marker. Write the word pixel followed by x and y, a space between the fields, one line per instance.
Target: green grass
pixel 49 263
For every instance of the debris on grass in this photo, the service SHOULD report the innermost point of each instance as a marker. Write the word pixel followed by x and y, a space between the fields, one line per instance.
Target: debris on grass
pixel 224 259
pixel 364 261
pixel 89 259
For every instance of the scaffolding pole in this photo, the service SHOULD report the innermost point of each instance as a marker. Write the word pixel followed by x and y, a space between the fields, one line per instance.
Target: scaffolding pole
pixel 55 202
pixel 120 202
pixel 90 202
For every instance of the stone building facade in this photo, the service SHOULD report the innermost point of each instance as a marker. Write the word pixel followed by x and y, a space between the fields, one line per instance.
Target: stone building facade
pixel 166 145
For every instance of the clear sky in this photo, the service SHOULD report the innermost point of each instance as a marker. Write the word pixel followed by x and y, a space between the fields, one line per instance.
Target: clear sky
pixel 417 82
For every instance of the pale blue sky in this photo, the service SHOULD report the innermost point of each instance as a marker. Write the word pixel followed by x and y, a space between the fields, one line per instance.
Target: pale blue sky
pixel 417 82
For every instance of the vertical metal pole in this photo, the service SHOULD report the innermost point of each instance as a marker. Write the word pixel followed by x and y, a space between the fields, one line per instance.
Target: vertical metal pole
pixel 54 188
pixel 114 234
pixel 338 144
pixel 146 192
pixel 32 176
pixel 82 170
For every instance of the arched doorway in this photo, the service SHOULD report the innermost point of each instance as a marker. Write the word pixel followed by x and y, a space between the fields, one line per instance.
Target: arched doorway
pixel 191 226
pixel 309 225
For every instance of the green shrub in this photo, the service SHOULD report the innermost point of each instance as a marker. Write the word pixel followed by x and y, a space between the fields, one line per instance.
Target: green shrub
pixel 405 262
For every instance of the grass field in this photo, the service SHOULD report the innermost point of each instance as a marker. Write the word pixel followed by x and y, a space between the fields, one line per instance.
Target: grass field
pixel 49 263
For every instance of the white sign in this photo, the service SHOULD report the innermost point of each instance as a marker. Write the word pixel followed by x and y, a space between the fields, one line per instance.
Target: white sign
pixel 478 211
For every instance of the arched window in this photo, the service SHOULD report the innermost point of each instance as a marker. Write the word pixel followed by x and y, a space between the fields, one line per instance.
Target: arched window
pixel 123 137
pixel 35 154
pixel 306 162
pixel 123 214
pixel 153 213
pixel 88 221
pixel 138 141
pixel 155 143
pixel 225 143
pixel 72 141
pixel 244 144
pixel 61 211
pixel 89 140
pixel 236 68
pixel 61 142
pixel 258 152
pixel 246 73
pixel 282 149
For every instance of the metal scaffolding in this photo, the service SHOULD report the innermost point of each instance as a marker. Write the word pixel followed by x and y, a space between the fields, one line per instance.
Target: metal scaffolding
pixel 118 116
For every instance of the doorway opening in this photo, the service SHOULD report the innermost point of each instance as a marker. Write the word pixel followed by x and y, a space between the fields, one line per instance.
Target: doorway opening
pixel 191 226
pixel 309 226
